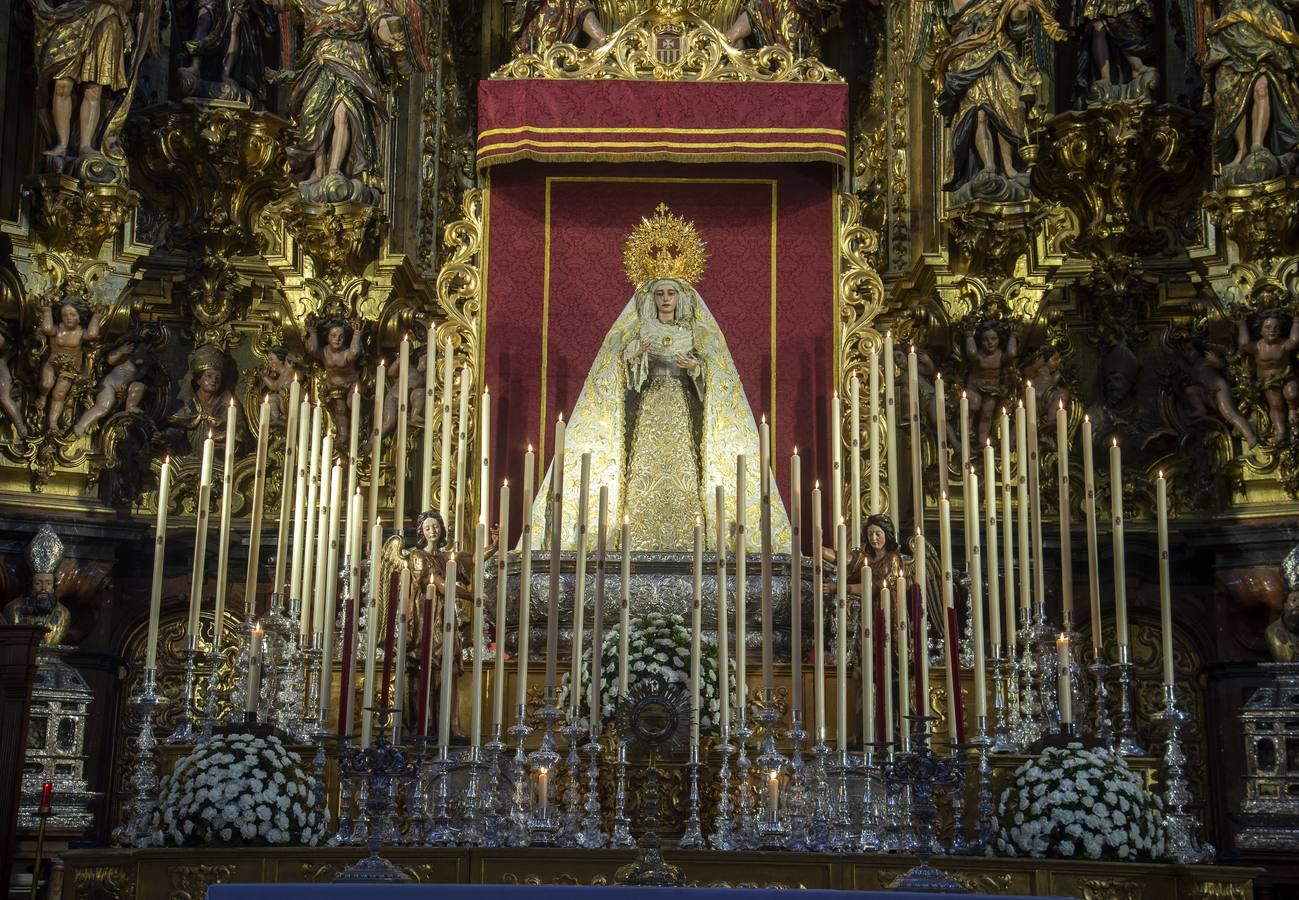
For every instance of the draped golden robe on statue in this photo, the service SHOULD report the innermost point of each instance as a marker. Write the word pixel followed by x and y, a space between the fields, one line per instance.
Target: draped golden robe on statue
pixel 661 440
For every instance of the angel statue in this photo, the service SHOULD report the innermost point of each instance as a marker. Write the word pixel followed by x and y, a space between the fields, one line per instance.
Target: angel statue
pixel 353 56
pixel 983 83
pixel 988 382
pixel 9 407
pixel 1115 48
pixel 225 51
pixel 796 25
pixel 1252 67
pixel 336 345
pixel 64 364
pixel 123 386
pixel 84 48
pixel 538 25
pixel 663 412
pixel 1273 354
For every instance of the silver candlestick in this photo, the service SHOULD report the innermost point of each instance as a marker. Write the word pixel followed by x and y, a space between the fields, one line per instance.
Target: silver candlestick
pixel 137 828
pixel 1181 827
pixel 840 839
pixel 209 720
pixel 693 838
pixel 985 833
pixel 471 830
pixel 746 824
pixel 723 837
pixel 521 787
pixel 186 732
pixel 573 733
pixel 621 836
pixel 797 794
pixel 1100 703
pixel 873 814
pixel 591 836
pixel 495 748
pixel 1126 737
pixel 1001 742
pixel 443 833
pixel 543 823
pixel 772 827
pixel 818 829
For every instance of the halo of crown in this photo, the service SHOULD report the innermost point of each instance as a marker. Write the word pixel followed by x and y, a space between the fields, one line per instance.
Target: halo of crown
pixel 664 246
pixel 45 551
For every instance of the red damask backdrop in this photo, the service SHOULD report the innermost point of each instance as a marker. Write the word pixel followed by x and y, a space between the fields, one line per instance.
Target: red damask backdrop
pixel 555 285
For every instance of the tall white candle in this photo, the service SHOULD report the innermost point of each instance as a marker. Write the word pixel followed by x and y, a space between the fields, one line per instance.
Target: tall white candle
pixel 940 428
pixel 624 607
pixel 444 475
pixel 902 641
pixel 1021 499
pixel 913 420
pixel 200 537
pixel 286 486
pixel 1093 549
pixel 525 578
pixel 836 458
pixel 556 538
pixel 1064 687
pixel 484 453
pixel 331 587
pixel 462 439
pixel 886 639
pixel 448 656
pixel 854 466
pixel 476 626
pixel 796 582
pixel 867 654
pixel 764 529
pixel 502 592
pixel 891 428
pixel 597 611
pixel 403 425
pixel 741 588
pixel 1008 533
pixel 159 558
pixel 1066 536
pixel 300 498
pixel 322 536
pixel 258 509
pixel 951 676
pixel 354 449
pixel 223 533
pixel 376 437
pixel 371 633
pixel 1120 563
pixel 696 630
pixel 309 511
pixel 841 641
pixel 1035 498
pixel 990 541
pixel 976 593
pixel 818 618
pixel 874 418
pixel 723 630
pixel 399 656
pixel 1165 586
pixel 430 410
pixel 579 592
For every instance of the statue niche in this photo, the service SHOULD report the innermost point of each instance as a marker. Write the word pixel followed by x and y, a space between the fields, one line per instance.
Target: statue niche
pixel 983 82
pixel 225 52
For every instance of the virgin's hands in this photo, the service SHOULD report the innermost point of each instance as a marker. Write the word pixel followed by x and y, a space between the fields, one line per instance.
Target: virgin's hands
pixel 642 346
pixel 688 361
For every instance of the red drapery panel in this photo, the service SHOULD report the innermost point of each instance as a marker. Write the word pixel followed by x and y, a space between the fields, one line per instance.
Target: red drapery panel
pixel 555 285
pixel 630 121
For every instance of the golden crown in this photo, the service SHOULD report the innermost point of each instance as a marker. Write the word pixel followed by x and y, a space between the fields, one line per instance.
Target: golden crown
pixel 664 246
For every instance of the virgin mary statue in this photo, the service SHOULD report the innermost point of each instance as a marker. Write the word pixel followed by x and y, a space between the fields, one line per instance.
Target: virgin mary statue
pixel 663 412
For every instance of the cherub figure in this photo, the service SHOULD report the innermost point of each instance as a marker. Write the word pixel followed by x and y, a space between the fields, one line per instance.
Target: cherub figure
pixel 63 364
pixel 124 384
pixel 274 378
pixel 336 345
pixel 1045 372
pixel 1273 353
pixel 1205 391
pixel 9 406
pixel 988 361
pixel 414 395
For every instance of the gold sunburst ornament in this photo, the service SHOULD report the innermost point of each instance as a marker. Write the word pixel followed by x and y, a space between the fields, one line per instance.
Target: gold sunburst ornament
pixel 664 246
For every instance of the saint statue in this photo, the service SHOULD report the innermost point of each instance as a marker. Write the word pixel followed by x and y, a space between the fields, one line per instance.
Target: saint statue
pixel 41 606
pixel 796 25
pixel 96 46
pixel 540 24
pixel 352 54
pixel 663 411
pixel 983 82
pixel 1282 634
pixel 225 51
pixel 210 401
pixel 1252 66
pixel 1116 47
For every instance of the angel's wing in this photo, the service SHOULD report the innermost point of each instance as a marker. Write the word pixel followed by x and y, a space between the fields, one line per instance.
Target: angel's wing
pixel 926 30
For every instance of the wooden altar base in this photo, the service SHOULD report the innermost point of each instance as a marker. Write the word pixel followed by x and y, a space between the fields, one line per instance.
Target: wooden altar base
pixel 186 874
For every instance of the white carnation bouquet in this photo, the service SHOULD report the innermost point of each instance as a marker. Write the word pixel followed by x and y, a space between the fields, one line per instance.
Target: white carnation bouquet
pixel 1073 803
pixel 238 790
pixel 659 647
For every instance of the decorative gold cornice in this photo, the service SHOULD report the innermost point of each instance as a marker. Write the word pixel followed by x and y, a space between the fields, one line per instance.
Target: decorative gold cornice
pixel 668 45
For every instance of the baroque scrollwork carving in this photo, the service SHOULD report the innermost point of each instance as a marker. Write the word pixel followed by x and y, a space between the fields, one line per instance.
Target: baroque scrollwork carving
pixel 668 43
pixel 104 883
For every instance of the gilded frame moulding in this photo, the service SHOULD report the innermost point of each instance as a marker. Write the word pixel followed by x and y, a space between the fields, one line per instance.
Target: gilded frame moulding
pixel 668 43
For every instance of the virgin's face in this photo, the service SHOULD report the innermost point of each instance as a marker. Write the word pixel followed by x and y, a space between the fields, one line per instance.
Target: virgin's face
pixel 336 338
pixel 665 300
pixel 68 316
pixel 1271 328
pixel 876 538
pixel 210 380
pixel 432 532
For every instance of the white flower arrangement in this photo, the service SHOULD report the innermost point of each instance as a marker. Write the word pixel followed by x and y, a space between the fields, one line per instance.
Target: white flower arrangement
pixel 659 647
pixel 1073 803
pixel 238 790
